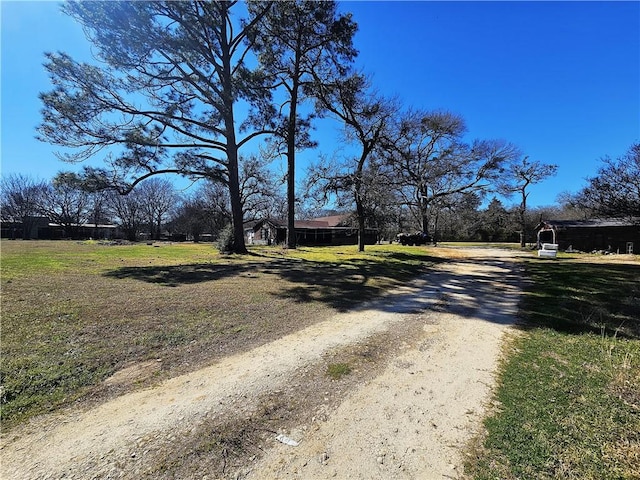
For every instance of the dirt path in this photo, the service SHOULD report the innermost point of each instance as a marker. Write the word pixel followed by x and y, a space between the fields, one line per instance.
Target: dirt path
pixel 407 421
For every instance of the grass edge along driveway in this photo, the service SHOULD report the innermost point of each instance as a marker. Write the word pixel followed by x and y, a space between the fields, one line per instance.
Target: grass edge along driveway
pixel 567 405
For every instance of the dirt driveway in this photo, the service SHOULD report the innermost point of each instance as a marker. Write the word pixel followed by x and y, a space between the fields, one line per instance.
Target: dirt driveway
pixel 421 363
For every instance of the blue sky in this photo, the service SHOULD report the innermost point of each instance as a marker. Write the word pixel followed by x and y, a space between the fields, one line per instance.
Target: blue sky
pixel 559 79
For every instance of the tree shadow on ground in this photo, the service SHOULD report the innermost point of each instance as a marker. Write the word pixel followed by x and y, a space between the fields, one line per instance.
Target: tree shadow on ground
pixel 488 291
pixel 403 285
pixel 570 297
pixel 347 285
pixel 175 275
pixel 341 285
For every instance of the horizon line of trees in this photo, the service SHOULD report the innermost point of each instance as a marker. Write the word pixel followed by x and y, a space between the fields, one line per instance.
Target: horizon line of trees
pixel 156 207
pixel 187 87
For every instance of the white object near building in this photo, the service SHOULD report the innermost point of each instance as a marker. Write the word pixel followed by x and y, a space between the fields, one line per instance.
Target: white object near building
pixel 549 250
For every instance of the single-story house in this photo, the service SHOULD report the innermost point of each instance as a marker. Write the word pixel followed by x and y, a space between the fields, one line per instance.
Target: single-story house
pixel 614 235
pixel 331 230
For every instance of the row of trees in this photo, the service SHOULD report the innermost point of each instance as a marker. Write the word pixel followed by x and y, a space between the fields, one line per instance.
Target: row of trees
pixel 184 87
pixel 65 202
pixel 614 191
pixel 155 206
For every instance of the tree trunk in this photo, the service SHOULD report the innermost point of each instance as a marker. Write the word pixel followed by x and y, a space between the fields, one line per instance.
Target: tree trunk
pixel 424 210
pixel 291 200
pixel 523 221
pixel 291 161
pixel 425 218
pixel 434 233
pixel 361 228
pixel 358 198
pixel 425 223
pixel 236 204
pixel 227 95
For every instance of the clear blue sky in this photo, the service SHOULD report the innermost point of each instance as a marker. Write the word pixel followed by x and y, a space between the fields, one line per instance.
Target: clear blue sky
pixel 559 79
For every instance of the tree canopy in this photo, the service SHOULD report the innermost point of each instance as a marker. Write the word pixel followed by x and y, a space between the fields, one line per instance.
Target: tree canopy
pixel 164 97
pixel 615 190
pixel 432 162
pixel 298 43
pixel 185 87
pixel 521 174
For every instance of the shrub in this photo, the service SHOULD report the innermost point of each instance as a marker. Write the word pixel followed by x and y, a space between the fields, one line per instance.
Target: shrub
pixel 225 240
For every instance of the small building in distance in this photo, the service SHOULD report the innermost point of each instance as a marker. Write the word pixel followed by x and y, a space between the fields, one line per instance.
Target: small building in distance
pixel 40 228
pixel 614 235
pixel 331 230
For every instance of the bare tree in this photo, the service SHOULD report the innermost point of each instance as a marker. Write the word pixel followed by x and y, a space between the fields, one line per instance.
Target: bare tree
pixel 204 211
pixel 259 190
pixel 98 210
pixel 66 203
pixel 574 206
pixel 157 197
pixel 431 162
pixel 365 116
pixel 20 199
pixel 615 190
pixel 128 212
pixel 520 175
pixel 189 218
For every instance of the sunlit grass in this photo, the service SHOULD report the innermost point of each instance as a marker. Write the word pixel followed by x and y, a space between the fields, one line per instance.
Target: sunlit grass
pixel 568 400
pixel 503 245
pixel 20 258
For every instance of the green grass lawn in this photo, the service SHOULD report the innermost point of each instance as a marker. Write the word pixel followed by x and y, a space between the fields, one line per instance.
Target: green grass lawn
pixel 568 401
pixel 74 313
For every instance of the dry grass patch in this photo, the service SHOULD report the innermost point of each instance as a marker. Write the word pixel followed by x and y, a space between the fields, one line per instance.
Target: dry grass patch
pixel 75 313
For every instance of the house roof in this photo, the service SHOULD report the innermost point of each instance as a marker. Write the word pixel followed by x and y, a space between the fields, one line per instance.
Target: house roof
pixel 321 222
pixel 310 224
pixel 594 223
pixel 333 220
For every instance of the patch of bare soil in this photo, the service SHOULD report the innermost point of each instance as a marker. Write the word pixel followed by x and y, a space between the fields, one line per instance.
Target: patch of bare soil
pixel 420 369
pixel 132 374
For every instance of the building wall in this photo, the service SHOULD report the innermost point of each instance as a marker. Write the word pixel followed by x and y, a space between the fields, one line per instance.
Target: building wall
pixel 270 234
pixel 333 236
pixel 587 239
pixel 39 228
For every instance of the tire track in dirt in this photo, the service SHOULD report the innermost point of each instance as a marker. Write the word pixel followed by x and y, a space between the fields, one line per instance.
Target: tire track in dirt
pixel 413 420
